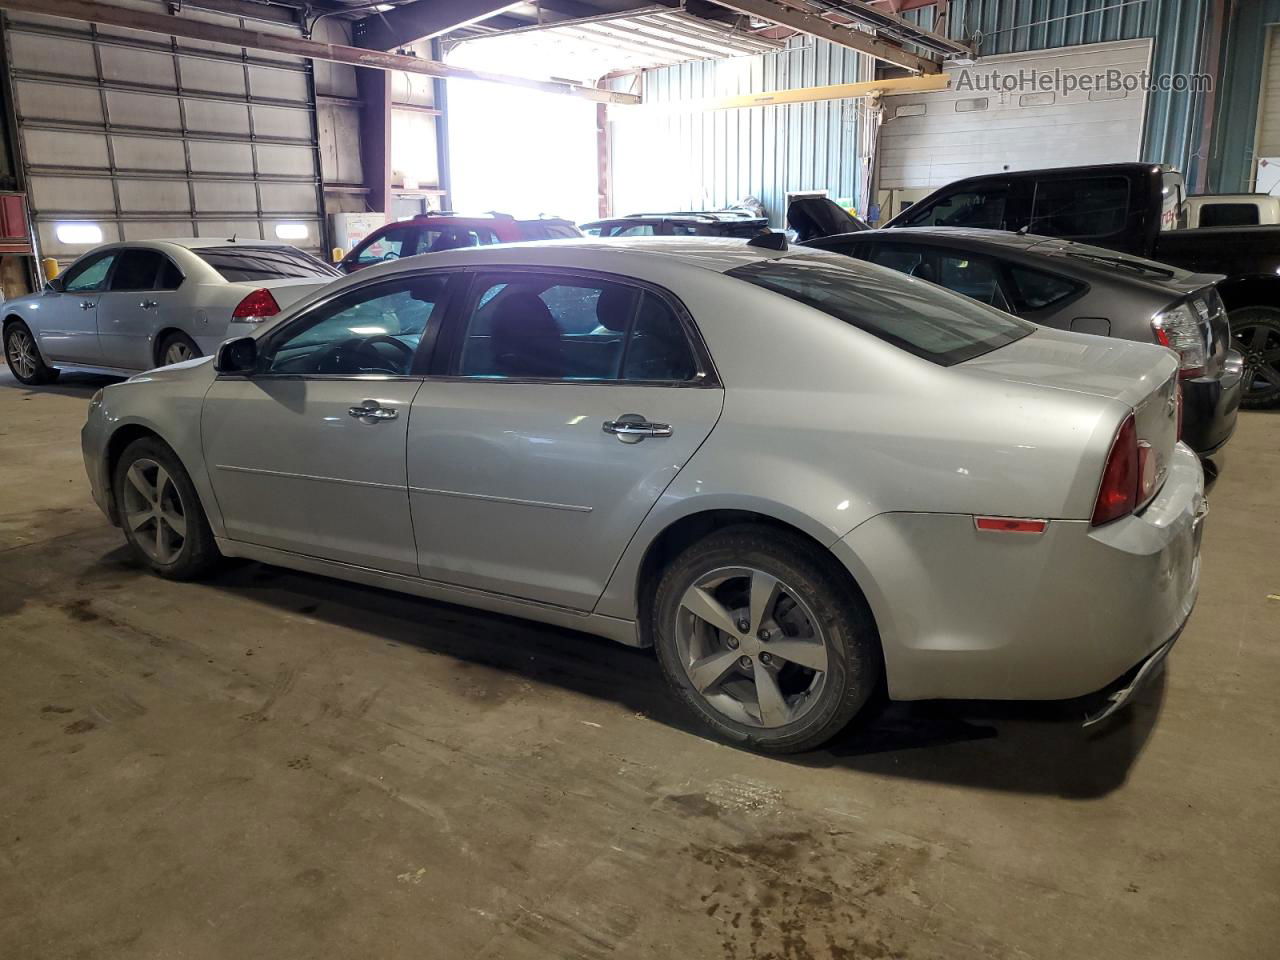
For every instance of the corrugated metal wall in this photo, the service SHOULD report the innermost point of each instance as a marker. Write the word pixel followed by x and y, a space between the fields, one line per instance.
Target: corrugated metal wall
pixel 1231 166
pixel 1173 131
pixel 706 159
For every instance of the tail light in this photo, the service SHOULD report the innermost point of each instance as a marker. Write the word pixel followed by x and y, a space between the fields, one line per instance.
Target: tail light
pixel 1182 330
pixel 256 307
pixel 1178 403
pixel 1121 476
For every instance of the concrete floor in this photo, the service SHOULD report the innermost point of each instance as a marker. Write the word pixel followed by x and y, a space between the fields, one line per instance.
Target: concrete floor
pixel 276 765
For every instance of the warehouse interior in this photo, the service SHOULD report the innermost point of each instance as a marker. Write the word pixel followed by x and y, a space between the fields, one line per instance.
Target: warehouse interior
pixel 284 759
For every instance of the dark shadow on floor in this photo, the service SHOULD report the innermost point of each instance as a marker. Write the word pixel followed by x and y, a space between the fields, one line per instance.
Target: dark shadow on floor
pixel 68 385
pixel 1033 748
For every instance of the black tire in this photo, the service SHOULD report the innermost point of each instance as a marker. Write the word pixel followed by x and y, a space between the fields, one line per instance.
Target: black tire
pixel 179 343
pixel 1255 332
pixel 22 353
pixel 152 544
pixel 853 655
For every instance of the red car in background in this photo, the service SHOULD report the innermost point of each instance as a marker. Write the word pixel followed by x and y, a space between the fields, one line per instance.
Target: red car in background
pixel 432 232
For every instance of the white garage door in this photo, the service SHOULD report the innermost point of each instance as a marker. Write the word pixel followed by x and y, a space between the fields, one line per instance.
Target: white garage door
pixel 146 136
pixel 1268 137
pixel 928 140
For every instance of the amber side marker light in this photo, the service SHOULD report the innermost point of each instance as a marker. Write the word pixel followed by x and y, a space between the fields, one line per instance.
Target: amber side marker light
pixel 1010 525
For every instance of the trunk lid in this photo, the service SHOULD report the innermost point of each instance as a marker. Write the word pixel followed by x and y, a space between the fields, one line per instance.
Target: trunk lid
pixel 286 290
pixel 1142 377
pixel 814 217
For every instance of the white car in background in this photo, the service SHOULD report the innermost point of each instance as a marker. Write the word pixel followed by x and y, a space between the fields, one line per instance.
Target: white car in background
pixel 125 307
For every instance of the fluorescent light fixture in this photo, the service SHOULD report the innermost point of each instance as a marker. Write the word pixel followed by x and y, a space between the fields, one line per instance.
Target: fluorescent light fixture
pixel 78 233
pixel 292 231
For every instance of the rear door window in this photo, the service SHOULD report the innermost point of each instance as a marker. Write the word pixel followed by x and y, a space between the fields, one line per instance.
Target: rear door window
pixel 975 277
pixel 1080 207
pixel 921 319
pixel 1034 290
pixel 546 328
pixel 137 270
pixel 248 263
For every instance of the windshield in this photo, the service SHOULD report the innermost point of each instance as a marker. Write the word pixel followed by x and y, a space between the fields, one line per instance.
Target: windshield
pixel 252 264
pixel 911 314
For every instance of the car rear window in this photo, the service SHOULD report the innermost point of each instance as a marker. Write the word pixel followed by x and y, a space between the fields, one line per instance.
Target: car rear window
pixel 541 230
pixel 247 263
pixel 920 318
pixel 1229 215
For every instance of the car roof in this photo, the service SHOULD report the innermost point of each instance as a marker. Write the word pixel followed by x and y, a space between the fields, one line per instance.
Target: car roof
pixel 1068 254
pixel 199 243
pixel 1084 170
pixel 961 236
pixel 703 218
pixel 606 254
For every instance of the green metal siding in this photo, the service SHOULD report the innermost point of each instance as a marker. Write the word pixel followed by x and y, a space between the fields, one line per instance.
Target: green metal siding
pixel 1243 59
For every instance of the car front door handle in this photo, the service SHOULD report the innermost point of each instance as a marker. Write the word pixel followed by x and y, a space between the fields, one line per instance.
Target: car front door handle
pixel 371 411
pixel 86 304
pixel 148 304
pixel 632 428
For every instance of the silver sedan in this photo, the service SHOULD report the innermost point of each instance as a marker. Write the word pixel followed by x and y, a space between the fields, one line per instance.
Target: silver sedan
pixel 798 476
pixel 123 307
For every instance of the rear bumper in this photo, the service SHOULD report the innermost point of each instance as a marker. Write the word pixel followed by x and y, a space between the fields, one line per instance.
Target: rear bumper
pixel 1128 686
pixel 967 614
pixel 1210 406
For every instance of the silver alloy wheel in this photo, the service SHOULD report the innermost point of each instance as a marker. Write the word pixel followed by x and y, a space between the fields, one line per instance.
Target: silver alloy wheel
pixel 22 353
pixel 154 511
pixel 178 352
pixel 751 647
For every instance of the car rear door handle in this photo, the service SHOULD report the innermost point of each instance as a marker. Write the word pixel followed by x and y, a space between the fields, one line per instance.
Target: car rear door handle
pixel 371 411
pixel 631 427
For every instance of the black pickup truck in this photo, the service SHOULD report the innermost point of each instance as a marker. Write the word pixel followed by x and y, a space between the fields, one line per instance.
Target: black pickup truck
pixel 1133 208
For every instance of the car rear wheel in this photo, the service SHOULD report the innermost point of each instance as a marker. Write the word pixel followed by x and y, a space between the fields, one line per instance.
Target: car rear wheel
pixel 766 645
pixel 1256 332
pixel 23 356
pixel 160 512
pixel 176 348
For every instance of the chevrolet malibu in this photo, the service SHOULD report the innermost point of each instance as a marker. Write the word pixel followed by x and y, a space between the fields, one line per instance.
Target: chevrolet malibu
pixel 796 475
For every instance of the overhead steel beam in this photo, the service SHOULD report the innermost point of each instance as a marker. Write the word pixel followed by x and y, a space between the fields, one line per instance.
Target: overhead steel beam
pixel 876 17
pixel 851 37
pixel 176 26
pixel 422 20
pixel 834 91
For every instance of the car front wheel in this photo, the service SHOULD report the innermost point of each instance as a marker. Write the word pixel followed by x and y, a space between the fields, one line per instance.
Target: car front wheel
pixel 767 645
pixel 23 356
pixel 161 513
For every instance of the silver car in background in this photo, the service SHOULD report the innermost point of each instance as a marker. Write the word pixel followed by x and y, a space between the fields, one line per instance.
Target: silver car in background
pixel 124 307
pixel 798 476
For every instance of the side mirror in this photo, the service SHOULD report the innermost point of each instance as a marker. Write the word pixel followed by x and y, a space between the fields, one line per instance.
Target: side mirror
pixel 56 285
pixel 239 355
